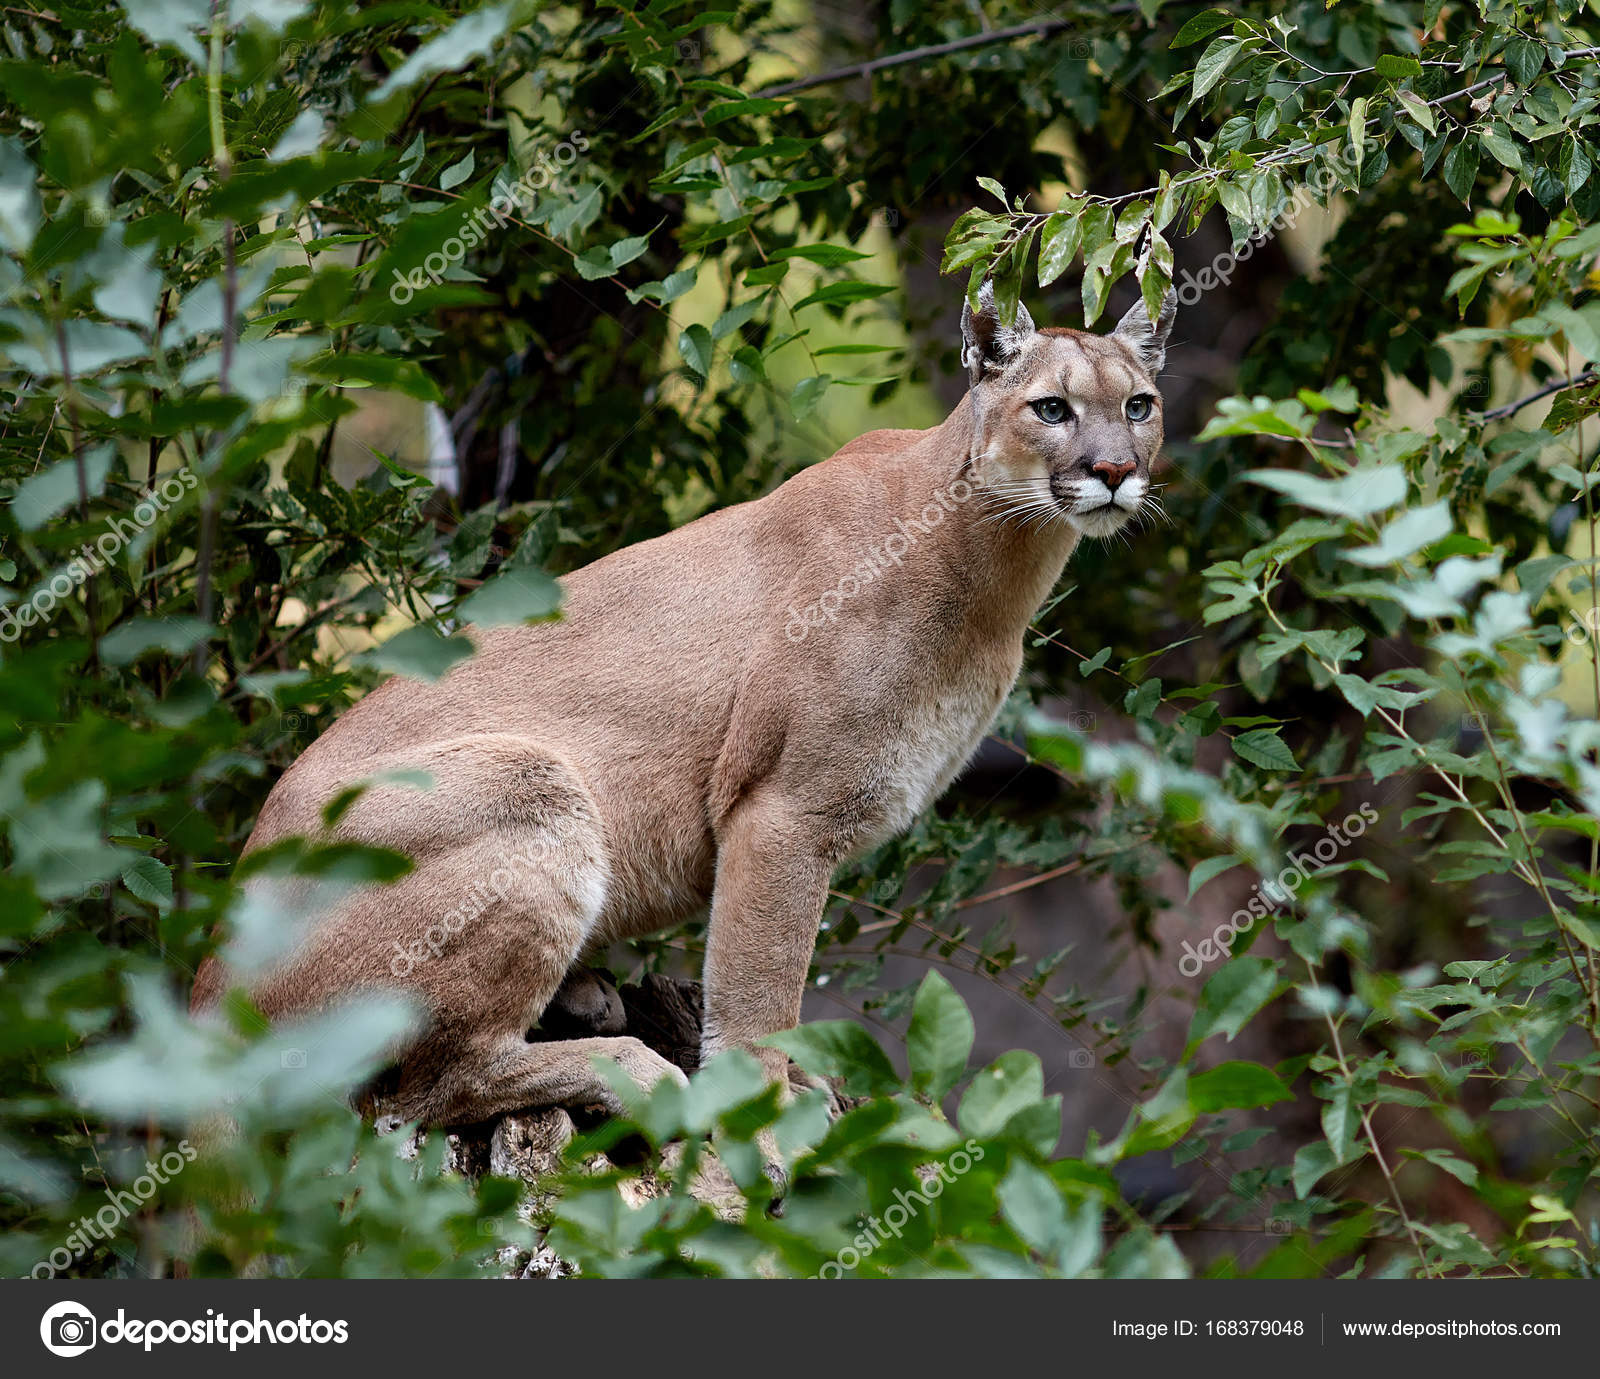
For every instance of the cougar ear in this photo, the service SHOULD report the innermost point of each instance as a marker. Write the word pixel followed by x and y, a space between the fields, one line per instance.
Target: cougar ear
pixel 1147 338
pixel 985 344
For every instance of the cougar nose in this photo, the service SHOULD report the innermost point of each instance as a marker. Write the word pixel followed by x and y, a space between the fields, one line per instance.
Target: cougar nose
pixel 1112 472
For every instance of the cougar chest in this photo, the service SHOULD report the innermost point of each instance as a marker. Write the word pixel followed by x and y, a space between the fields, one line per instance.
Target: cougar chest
pixel 934 735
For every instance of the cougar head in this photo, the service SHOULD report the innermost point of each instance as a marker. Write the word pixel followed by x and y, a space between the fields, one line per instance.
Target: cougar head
pixel 1066 422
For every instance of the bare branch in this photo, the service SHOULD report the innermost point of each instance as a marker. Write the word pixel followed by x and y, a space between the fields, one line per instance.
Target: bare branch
pixel 1039 28
pixel 1559 386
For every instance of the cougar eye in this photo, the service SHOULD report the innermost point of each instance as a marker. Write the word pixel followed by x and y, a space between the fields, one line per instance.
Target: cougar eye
pixel 1052 411
pixel 1138 407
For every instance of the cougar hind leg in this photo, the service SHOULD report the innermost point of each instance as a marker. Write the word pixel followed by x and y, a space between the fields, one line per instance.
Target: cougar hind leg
pixel 509 880
pixel 456 1084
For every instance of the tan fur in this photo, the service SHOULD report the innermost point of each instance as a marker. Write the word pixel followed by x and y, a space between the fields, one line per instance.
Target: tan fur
pixel 678 737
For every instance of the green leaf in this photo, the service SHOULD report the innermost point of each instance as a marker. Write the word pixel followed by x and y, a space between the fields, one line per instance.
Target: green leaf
pixel 669 289
pixel 1586 930
pixel 746 365
pixel 1264 748
pixel 842 293
pixel 1406 535
pixel 1523 58
pixel 1575 165
pixel 1418 109
pixel 994 189
pixel 171 23
pixel 346 368
pixel 457 173
pixel 166 1071
pixel 469 38
pixel 124 645
pixel 1364 697
pixel 625 251
pixel 1359 493
pixel 1341 1120
pixel 1214 64
pixel 1012 1083
pixel 603 261
pixel 827 255
pixel 1461 168
pixel 1397 67
pixel 1505 149
pixel 842 1049
pixel 42 496
pixel 1209 868
pixel 512 597
pixel 1232 995
pixel 939 1037
pixel 1031 1204
pixel 1312 1163
pixel 1058 243
pixel 1201 26
pixel 1096 662
pixel 91 347
pixel 697 350
pixel 593 263
pixel 1357 128
pixel 420 653
pixel 741 109
pixel 1162 1121
pixel 1236 1086
pixel 808 393
pixel 150 881
pixel 1456 1167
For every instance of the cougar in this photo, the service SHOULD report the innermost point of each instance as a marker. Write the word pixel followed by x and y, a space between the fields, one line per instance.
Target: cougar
pixel 721 715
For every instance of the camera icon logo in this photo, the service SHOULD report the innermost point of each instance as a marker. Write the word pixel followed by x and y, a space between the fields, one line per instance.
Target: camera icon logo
pixel 67 1328
pixel 292 1058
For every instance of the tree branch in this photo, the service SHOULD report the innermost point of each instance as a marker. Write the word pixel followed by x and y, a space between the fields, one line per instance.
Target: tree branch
pixel 1559 386
pixel 1039 28
pixel 1501 75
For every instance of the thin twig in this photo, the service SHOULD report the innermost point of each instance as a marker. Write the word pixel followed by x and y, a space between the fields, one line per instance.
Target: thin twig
pixel 1039 28
pixel 1512 408
pixel 209 513
pixel 69 395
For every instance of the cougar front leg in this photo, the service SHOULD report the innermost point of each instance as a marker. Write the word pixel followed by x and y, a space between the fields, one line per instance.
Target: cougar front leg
pixel 771 887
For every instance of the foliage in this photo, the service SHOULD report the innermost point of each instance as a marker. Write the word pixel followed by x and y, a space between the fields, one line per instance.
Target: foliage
pixel 222 235
pixel 891 1188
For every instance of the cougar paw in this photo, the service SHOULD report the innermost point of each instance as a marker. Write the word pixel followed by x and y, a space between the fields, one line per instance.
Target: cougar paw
pixel 780 1186
pixel 801 1082
pixel 647 1067
pixel 644 1067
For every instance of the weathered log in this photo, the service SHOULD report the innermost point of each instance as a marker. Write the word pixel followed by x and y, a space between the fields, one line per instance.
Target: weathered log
pixel 529 1145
